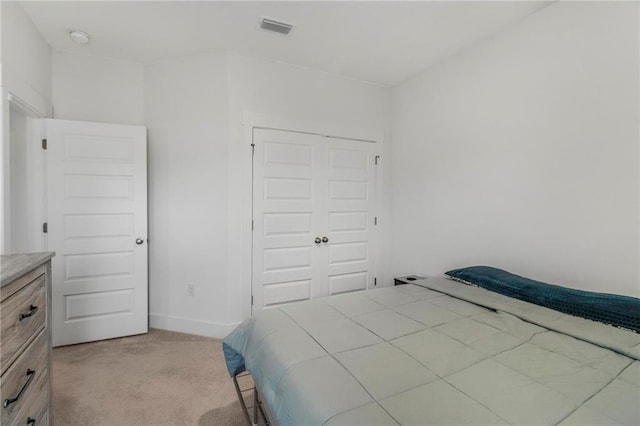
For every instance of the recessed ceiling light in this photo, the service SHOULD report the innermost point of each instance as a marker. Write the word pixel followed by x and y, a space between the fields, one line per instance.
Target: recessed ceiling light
pixel 79 37
pixel 275 26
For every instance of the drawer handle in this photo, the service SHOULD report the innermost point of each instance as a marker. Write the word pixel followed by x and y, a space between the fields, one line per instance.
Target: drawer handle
pixel 31 421
pixel 32 311
pixel 8 402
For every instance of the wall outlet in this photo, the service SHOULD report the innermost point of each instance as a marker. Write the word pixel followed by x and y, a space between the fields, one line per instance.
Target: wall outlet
pixel 191 290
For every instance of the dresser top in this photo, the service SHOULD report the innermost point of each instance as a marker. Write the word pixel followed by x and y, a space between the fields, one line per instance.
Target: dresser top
pixel 14 265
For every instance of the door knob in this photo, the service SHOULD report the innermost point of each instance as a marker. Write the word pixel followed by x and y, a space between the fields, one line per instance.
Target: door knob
pixel 317 240
pixel 139 241
pixel 325 240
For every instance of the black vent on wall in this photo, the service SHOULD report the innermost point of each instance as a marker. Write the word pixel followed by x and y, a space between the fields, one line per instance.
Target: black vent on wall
pixel 275 26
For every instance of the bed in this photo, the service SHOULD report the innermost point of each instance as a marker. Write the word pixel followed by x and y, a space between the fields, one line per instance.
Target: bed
pixel 437 352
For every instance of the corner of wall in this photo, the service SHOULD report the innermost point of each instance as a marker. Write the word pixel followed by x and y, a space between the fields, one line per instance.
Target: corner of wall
pixel 26 58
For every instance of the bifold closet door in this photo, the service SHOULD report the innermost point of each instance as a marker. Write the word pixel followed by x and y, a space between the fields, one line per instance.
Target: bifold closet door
pixel 313 201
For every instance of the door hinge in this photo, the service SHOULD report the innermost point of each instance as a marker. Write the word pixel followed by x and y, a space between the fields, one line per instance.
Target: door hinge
pixel 375 220
pixel 252 224
pixel 375 282
pixel 252 300
pixel 44 144
pixel 45 227
pixel 377 158
pixel 253 149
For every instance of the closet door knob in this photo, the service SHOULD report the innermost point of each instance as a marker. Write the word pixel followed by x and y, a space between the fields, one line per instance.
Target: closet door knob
pixel 325 240
pixel 139 241
pixel 317 240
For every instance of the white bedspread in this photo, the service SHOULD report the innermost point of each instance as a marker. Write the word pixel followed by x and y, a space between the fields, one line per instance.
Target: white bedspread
pixel 438 352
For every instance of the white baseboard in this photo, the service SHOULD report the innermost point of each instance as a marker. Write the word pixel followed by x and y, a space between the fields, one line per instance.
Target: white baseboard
pixel 191 326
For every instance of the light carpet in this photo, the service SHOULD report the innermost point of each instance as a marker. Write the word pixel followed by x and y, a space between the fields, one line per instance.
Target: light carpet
pixel 159 378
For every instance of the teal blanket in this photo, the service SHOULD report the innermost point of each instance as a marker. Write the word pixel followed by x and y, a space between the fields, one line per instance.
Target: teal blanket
pixel 614 309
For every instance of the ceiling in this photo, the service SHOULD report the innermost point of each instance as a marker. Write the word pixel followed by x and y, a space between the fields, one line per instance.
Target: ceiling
pixel 380 42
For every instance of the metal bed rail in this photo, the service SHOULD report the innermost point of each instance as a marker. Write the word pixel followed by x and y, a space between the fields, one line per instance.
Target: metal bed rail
pixel 259 416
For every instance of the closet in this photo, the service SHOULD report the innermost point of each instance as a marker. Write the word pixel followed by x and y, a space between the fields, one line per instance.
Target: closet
pixel 313 216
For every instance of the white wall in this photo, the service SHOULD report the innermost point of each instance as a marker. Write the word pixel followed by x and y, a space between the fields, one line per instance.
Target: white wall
pixel 25 72
pixel 25 58
pixel 194 111
pixel 92 88
pixel 19 202
pixel 186 116
pixel 522 153
pixel 302 95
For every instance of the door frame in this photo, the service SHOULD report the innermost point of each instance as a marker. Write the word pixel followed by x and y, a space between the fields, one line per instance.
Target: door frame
pixel 36 109
pixel 252 120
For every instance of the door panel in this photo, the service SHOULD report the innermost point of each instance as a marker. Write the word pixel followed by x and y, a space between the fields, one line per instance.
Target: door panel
pixel 307 187
pixel 350 210
pixel 287 224
pixel 353 221
pixel 97 305
pixel 348 282
pixel 275 294
pixel 97 208
pixel 286 190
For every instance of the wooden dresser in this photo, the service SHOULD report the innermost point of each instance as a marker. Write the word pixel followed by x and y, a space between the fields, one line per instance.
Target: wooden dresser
pixel 25 339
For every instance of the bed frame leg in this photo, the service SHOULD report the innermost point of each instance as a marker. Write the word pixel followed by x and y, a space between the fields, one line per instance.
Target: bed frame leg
pixel 245 411
pixel 255 406
pixel 260 418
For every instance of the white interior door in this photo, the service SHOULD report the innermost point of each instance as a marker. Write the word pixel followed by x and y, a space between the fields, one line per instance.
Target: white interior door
pixel 350 211
pixel 313 213
pixel 97 225
pixel 287 189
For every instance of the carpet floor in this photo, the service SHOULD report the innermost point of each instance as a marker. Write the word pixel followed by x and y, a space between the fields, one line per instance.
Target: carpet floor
pixel 158 378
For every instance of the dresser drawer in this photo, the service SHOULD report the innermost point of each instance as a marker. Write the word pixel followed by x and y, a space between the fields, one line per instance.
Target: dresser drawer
pixel 30 389
pixel 22 315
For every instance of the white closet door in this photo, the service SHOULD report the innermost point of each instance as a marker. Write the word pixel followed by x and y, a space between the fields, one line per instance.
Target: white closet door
pixel 97 225
pixel 350 212
pixel 313 203
pixel 286 192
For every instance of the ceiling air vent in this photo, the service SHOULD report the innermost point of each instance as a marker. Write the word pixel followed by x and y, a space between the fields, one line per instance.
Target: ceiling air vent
pixel 275 26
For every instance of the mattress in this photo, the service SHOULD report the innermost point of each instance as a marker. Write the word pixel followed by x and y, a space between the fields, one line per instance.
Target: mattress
pixel 436 352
